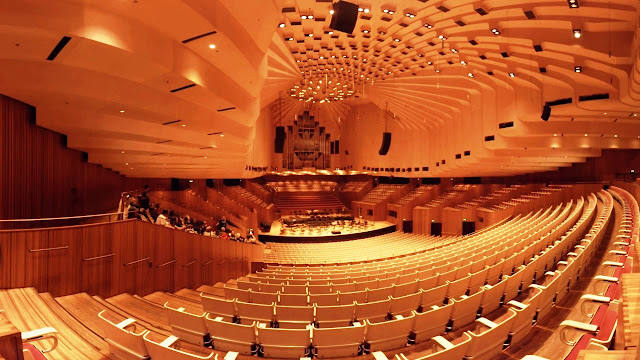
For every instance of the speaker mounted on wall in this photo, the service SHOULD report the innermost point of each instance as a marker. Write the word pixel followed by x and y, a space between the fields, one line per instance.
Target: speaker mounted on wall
pixel 345 15
pixel 279 140
pixel 386 143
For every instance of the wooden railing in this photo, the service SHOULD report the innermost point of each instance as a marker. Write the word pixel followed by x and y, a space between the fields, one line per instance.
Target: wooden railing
pixel 129 256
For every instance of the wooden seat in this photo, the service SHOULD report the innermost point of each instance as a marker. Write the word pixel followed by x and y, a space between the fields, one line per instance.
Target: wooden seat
pixel 338 341
pixel 167 349
pixel 388 335
pixel 284 343
pixel 335 316
pixel 125 339
pixel 188 326
pixel 227 336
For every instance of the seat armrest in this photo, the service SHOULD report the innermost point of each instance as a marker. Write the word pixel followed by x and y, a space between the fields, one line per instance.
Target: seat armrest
pixel 533 357
pixel 486 322
pixel 379 355
pixel 613 263
pixel 571 325
pixel 518 304
pixel 42 334
pixel 125 323
pixel 589 299
pixel 169 341
pixel 617 252
pixel 536 286
pixel 446 344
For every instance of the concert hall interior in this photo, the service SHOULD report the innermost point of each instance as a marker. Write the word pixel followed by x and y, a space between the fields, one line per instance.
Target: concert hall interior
pixel 331 179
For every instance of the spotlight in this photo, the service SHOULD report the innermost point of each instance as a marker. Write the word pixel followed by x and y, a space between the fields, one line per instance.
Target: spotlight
pixel 512 74
pixel 331 11
pixel 281 25
pixel 454 51
pixel 578 69
pixel 573 4
pixel 577 33
pixel 470 75
pixel 427 25
pixel 212 46
pixel 495 31
pixel 464 63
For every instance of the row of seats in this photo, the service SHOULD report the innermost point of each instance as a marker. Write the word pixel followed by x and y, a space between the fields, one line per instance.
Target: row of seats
pixel 460 309
pixel 438 259
pixel 529 304
pixel 602 307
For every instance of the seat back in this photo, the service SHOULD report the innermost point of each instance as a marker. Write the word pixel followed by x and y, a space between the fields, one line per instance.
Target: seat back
pixel 335 316
pixel 294 299
pixel 187 326
pixel 284 343
pixel 349 297
pixel 259 297
pixel 407 288
pixel 379 293
pixel 388 335
pixel 294 317
pixel 249 312
pixel 431 323
pixel 162 351
pixel 219 307
pixel 233 293
pixel 434 296
pixel 324 299
pixel 338 341
pixel 457 351
pixel 374 311
pixel 403 305
pixel 228 336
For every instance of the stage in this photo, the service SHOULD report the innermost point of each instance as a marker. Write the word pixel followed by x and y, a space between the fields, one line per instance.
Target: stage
pixel 305 234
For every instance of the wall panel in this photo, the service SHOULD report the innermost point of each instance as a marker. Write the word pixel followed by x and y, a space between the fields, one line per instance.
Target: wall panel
pixel 112 258
pixel 41 177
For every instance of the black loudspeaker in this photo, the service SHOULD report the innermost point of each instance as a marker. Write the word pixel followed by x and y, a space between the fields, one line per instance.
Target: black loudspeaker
pixel 606 187
pixel 175 184
pixel 209 183
pixel 345 15
pixel 333 148
pixel 279 141
pixel 386 143
pixel 337 147
pixel 407 226
pixel 546 112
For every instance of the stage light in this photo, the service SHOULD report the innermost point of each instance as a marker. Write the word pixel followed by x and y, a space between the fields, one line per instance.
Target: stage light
pixel 470 75
pixel 495 31
pixel 212 46
pixel 512 74
pixel 578 69
pixel 281 25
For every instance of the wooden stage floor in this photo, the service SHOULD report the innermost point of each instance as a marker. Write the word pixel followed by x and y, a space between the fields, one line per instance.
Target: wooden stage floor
pixel 324 233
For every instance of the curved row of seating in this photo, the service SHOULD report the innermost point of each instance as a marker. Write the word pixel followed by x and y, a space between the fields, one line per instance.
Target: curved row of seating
pixel 461 309
pixel 468 307
pixel 437 259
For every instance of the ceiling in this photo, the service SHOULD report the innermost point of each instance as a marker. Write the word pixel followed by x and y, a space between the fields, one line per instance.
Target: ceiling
pixel 141 89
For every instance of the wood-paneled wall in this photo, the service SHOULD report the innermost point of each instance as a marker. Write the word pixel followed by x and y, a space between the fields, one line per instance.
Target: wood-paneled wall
pixel 126 256
pixel 40 177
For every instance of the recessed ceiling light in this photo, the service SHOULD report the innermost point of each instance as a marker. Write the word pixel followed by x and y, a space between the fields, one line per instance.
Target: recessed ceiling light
pixel 512 74
pixel 123 152
pixel 183 125
pixel 221 135
pixel 495 31
pixel 578 69
pixel 212 46
pixel 454 51
pixel 464 63
pixel 121 111
pixel 331 11
pixel 577 33
pixel 585 134
pixel 442 37
pixel 615 135
pixel 470 75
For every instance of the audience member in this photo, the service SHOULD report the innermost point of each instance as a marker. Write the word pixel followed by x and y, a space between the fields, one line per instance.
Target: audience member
pixel 162 218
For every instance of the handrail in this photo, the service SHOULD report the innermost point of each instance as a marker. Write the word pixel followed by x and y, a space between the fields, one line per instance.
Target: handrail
pixel 135 262
pixel 167 263
pixel 61 218
pixel 208 262
pixel 99 257
pixel 50 249
pixel 190 263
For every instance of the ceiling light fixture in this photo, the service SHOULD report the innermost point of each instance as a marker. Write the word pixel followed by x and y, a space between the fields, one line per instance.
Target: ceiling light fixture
pixel 495 31
pixel 281 25
pixel 577 33
pixel 470 75
pixel 512 74
pixel 578 69
pixel 212 46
